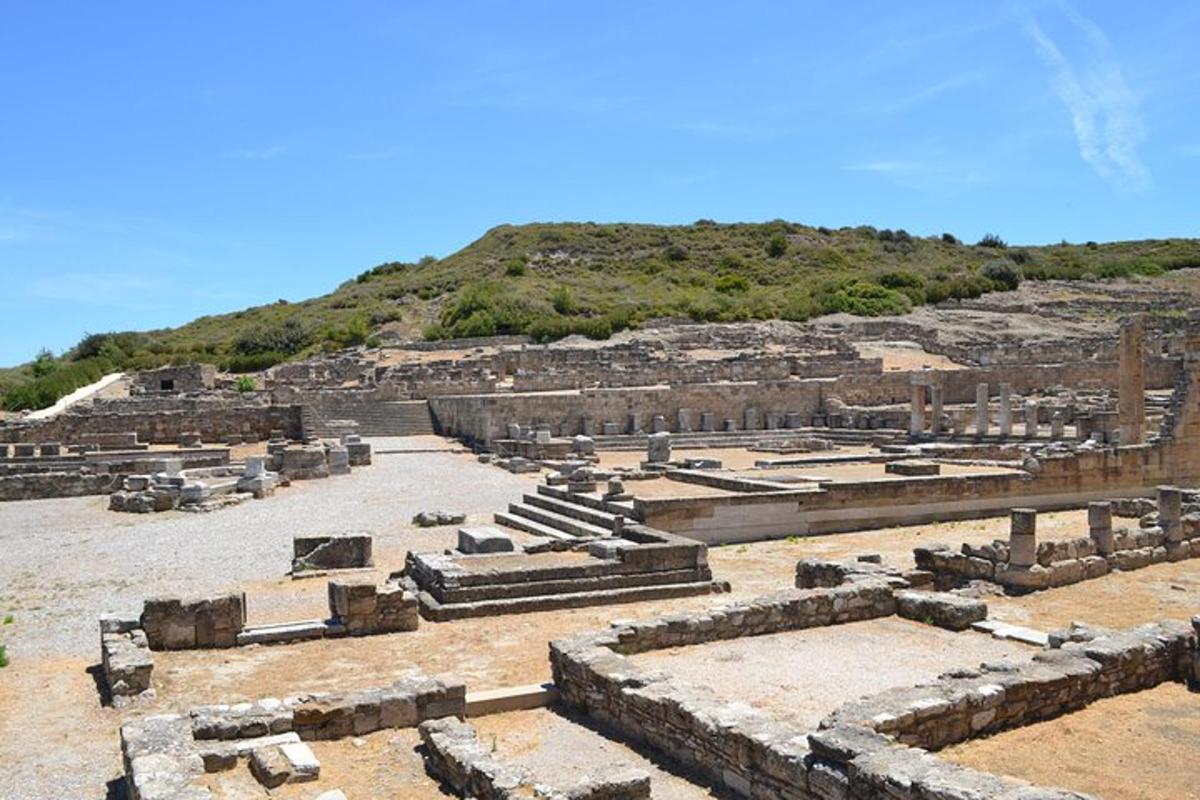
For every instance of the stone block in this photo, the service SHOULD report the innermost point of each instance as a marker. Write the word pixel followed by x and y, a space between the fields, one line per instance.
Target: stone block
pixel 658 449
pixel 345 551
pixel 945 610
pixel 912 468
pixel 484 539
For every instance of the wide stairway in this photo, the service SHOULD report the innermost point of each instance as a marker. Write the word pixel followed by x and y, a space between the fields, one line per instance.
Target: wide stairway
pixel 555 513
pixel 392 418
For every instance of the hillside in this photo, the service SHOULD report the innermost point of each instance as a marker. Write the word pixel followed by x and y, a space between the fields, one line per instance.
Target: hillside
pixel 551 280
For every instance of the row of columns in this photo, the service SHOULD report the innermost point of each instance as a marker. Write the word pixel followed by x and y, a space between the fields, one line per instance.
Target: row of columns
pixel 921 389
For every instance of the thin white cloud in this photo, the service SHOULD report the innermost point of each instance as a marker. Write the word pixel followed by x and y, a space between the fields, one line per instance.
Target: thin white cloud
pixel 1104 111
pixel 936 175
pixel 259 154
pixel 928 94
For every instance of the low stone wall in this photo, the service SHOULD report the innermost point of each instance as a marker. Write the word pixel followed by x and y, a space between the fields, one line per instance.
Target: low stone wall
pixel 967 703
pixel 164 420
pixel 38 485
pixel 454 754
pixel 125 661
pixel 316 553
pixel 364 608
pixel 177 624
pixel 165 756
pixel 755 755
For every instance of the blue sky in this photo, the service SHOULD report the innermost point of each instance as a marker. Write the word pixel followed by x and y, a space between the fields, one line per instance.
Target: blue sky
pixel 159 161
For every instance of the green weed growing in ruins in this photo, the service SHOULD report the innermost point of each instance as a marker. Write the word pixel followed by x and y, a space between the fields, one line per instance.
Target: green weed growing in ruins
pixel 3 656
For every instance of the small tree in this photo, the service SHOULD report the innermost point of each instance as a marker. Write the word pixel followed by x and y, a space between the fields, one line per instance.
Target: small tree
pixel 992 240
pixel 777 245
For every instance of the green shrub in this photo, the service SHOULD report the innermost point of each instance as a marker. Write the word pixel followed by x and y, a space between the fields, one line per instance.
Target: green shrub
pixel 3 656
pixel 353 333
pixel 288 337
pixel 950 238
pixel 253 362
pixel 728 284
pixel 563 301
pixel 777 245
pixel 1003 273
pixel 245 384
pixel 865 300
pixel 515 267
pixel 676 253
pixel 991 240
pixel 45 391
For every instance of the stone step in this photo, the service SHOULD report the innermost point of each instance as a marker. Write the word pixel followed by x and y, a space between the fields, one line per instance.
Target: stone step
pixel 1017 633
pixel 438 612
pixel 566 524
pixel 511 698
pixel 283 632
pixel 565 507
pixel 529 526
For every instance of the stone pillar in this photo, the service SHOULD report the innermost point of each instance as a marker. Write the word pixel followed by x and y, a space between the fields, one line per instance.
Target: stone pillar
pixel 1131 402
pixel 658 424
pixel 916 423
pixel 750 419
pixel 683 419
pixel 635 422
pixel 707 421
pixel 1100 527
pixel 256 467
pixel 1170 515
pixel 981 409
pixel 1031 418
pixel 1056 425
pixel 1005 410
pixel 658 450
pixel 1022 539
pixel 587 426
pixel 937 408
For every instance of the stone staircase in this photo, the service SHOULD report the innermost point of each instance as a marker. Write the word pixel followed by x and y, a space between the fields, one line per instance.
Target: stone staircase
pixel 373 418
pixel 557 514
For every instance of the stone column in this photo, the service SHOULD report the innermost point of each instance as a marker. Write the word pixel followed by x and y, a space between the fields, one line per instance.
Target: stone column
pixel 1031 418
pixel 1100 527
pixel 1022 539
pixel 706 421
pixel 635 422
pixel 1005 410
pixel 658 424
pixel 916 424
pixel 750 419
pixel 1131 402
pixel 981 409
pixel 1056 425
pixel 683 419
pixel 1170 515
pixel 937 407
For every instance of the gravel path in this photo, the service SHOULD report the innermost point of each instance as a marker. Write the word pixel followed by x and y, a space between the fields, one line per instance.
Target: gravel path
pixel 63 562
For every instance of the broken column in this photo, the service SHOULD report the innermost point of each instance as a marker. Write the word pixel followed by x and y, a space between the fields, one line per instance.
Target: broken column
pixel 1100 527
pixel 916 422
pixel 658 449
pixel 1056 424
pixel 683 420
pixel 1031 418
pixel 1005 419
pixel 1022 538
pixel 1170 519
pixel 1131 402
pixel 981 409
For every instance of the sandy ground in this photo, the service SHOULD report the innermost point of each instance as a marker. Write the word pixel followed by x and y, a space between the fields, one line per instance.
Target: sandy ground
pixel 560 749
pixel 1138 746
pixel 788 674
pixel 381 766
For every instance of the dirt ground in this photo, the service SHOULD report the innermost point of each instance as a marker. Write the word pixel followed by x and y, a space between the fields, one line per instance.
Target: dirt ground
pixel 561 748
pixel 788 674
pixel 1139 746
pixel 380 766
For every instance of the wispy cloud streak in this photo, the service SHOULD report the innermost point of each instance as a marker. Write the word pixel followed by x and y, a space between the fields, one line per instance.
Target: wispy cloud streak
pixel 1104 111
